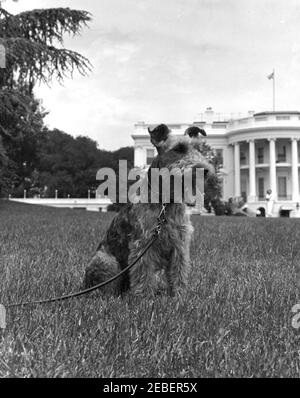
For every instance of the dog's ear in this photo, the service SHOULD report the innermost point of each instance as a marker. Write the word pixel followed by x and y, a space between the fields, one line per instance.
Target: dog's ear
pixel 159 135
pixel 194 132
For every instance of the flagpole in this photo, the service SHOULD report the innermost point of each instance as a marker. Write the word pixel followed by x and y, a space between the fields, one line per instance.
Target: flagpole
pixel 273 90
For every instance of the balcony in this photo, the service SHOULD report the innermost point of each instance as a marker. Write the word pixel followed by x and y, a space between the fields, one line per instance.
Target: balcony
pixel 262 165
pixel 266 120
pixel 285 164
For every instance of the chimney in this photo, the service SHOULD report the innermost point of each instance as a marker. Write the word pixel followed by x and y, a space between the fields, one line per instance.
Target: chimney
pixel 209 115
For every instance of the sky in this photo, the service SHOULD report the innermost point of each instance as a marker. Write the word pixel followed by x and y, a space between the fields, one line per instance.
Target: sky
pixel 166 61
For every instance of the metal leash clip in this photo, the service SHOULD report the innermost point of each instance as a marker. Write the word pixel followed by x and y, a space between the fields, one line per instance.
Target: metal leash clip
pixel 161 220
pixel 162 215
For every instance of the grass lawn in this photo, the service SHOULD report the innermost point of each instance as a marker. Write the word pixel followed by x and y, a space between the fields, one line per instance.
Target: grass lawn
pixel 234 320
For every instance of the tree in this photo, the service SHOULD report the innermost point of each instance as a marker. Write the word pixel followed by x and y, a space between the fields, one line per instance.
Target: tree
pixel 213 190
pixel 33 42
pixel 34 46
pixel 66 164
pixel 70 165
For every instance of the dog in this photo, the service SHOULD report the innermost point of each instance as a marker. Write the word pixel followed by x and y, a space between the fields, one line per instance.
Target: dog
pixel 167 263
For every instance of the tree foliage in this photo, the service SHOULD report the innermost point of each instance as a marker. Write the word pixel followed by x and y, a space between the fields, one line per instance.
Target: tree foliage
pixel 70 165
pixel 35 53
pixel 34 46
pixel 213 189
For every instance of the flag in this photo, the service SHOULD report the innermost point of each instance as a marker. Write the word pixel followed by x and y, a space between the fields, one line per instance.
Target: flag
pixel 271 76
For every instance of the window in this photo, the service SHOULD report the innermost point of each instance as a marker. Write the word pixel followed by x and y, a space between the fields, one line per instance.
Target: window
pixel 261 188
pixel 244 188
pixel 261 118
pixel 281 156
pixel 282 118
pixel 219 154
pixel 150 156
pixel 282 191
pixel 260 155
pixel 243 158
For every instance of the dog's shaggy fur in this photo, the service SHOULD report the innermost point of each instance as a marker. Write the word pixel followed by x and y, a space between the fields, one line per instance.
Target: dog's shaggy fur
pixel 167 262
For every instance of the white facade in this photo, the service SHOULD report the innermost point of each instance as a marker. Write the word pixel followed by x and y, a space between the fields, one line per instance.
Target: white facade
pixel 260 151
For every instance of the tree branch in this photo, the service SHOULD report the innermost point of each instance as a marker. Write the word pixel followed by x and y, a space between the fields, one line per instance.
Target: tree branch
pixel 43 25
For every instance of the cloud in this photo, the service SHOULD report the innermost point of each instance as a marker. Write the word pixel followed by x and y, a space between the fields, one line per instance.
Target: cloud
pixel 167 60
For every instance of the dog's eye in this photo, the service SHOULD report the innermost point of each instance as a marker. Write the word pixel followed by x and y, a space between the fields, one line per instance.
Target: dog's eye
pixel 180 148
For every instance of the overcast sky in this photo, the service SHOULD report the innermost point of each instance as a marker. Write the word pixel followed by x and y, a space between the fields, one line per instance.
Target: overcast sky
pixel 167 60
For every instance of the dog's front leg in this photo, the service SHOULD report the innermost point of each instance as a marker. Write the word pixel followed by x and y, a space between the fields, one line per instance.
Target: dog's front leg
pixel 142 274
pixel 178 269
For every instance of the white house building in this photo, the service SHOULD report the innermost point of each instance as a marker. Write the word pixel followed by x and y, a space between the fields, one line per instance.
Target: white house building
pixel 259 151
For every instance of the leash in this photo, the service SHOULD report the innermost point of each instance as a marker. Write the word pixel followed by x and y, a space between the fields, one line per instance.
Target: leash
pixel 156 232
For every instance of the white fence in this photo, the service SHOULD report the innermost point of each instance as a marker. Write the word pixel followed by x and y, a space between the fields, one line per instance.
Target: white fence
pixel 100 204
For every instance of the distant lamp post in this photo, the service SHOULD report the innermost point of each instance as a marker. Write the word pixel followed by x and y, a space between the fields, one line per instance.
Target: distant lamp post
pixel 9 197
pixel 25 193
pixel 89 194
pixel 56 194
pixel 68 196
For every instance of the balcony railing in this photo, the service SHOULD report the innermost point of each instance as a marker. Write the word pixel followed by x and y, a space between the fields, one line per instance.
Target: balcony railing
pixel 284 197
pixel 279 198
pixel 262 121
pixel 281 159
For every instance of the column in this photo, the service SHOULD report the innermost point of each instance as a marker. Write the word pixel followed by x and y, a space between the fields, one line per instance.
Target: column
pixel 273 181
pixel 252 172
pixel 139 156
pixel 237 170
pixel 295 181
